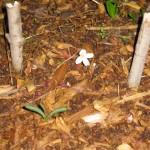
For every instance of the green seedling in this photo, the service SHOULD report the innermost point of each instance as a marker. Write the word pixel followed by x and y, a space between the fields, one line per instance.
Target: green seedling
pixel 126 38
pixel 112 8
pixel 102 33
pixel 36 20
pixel 41 111
pixel 132 16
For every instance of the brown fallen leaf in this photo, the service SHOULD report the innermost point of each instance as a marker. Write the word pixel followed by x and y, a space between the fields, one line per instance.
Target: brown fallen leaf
pixel 61 45
pixel 96 145
pixel 50 99
pixel 50 54
pixel 66 7
pixel 27 84
pixel 101 8
pixel 124 146
pixel 71 92
pixel 5 88
pixel 133 5
pixel 59 75
pixel 110 113
pixel 62 126
pixel 40 61
pixel 124 66
pixel 147 71
pixel 141 3
pixel 47 140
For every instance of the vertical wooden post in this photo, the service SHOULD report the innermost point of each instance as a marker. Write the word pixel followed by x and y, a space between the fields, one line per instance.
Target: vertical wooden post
pixel 141 51
pixel 15 37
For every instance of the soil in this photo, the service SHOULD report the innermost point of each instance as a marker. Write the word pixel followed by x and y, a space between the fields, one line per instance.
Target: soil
pixel 55 32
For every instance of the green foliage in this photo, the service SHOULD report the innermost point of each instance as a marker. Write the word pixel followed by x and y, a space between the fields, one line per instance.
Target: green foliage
pixel 132 16
pixel 126 38
pixel 102 32
pixel 41 111
pixel 36 20
pixel 112 8
pixel 36 110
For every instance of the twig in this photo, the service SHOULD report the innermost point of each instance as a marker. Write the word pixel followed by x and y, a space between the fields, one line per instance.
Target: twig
pixel 42 96
pixel 143 105
pixel 131 27
pixel 133 97
pixel 95 1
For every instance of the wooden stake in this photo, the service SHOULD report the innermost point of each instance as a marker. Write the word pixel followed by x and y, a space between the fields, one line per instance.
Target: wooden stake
pixel 141 51
pixel 15 37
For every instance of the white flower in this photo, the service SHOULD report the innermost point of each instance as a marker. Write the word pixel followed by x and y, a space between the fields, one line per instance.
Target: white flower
pixel 84 57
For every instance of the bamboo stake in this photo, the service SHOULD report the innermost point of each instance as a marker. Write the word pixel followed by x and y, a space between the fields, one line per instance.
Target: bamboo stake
pixel 141 51
pixel 15 37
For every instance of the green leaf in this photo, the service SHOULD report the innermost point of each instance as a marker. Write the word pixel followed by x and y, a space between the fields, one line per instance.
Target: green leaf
pixel 42 107
pixel 111 9
pixel 112 1
pixel 56 111
pixel 36 110
pixel 132 16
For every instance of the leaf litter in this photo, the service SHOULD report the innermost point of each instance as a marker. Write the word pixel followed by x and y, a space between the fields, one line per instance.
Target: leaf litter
pixel 103 112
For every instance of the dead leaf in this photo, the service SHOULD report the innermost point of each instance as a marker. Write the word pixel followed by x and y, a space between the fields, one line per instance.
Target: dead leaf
pixel 101 8
pixel 123 50
pixel 88 46
pixel 130 48
pixel 71 92
pixel 141 3
pixel 5 88
pixel 50 99
pixel 20 83
pixel 59 75
pixel 52 62
pixel 28 84
pixel 40 61
pixel 61 125
pixel 41 29
pixel 50 54
pixel 103 105
pixel 66 7
pixel 124 66
pixel 47 140
pixel 147 71
pixel 30 87
pixel 133 5
pixel 95 146
pixel 1 16
pixel 124 147
pixel 61 45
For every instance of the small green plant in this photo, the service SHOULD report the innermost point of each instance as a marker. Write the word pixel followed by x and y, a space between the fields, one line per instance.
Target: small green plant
pixel 41 111
pixel 36 20
pixel 132 16
pixel 102 31
pixel 112 8
pixel 126 38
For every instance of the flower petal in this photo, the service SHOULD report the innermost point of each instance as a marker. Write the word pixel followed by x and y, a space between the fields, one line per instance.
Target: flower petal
pixel 79 60
pixel 82 52
pixel 89 55
pixel 86 62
